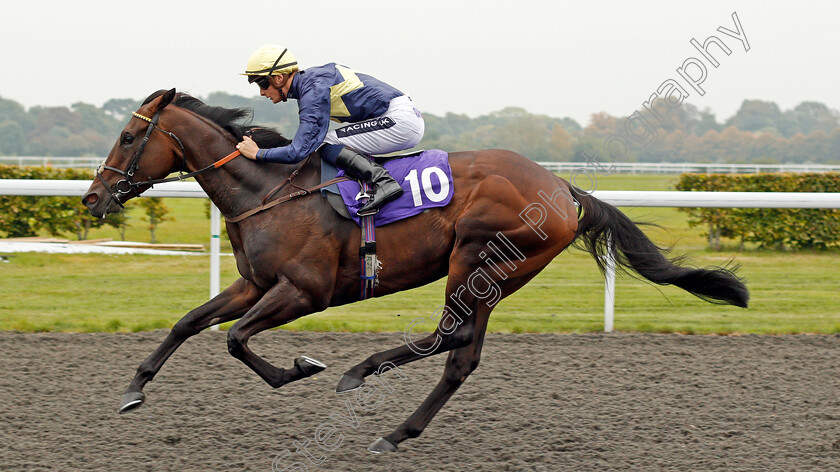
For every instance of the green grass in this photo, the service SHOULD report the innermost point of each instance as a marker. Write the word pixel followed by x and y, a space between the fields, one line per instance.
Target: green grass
pixel 97 292
pixel 135 293
pixel 191 225
pixel 791 292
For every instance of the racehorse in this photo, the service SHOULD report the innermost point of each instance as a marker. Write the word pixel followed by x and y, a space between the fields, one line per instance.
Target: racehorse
pixel 300 257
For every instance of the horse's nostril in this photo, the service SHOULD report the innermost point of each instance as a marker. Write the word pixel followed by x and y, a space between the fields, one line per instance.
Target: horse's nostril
pixel 90 199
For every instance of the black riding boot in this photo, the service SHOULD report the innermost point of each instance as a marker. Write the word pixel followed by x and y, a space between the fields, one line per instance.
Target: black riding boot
pixel 385 188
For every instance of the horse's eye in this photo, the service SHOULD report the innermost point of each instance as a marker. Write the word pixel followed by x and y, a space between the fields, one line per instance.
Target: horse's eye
pixel 127 139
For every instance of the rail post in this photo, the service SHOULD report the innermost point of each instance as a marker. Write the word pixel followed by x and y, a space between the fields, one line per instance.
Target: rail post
pixel 215 252
pixel 609 288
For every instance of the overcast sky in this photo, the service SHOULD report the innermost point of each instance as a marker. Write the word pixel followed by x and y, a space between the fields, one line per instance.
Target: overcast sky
pixel 550 57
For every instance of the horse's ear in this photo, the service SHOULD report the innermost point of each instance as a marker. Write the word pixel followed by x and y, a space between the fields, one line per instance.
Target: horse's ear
pixel 166 99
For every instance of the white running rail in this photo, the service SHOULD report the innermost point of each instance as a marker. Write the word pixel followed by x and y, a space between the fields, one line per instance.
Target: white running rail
pixel 77 188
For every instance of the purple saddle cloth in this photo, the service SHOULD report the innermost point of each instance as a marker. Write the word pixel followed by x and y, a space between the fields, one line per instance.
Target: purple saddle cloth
pixel 426 181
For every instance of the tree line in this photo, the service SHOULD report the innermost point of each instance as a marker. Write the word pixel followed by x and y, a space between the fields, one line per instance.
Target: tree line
pixel 759 132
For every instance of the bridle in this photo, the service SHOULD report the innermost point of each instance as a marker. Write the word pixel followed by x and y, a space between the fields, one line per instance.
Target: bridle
pixel 125 185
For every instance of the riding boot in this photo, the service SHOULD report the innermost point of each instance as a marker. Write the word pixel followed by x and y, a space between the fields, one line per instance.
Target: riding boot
pixel 385 188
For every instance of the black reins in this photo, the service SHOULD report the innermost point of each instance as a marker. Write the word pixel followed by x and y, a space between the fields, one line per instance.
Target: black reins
pixel 125 185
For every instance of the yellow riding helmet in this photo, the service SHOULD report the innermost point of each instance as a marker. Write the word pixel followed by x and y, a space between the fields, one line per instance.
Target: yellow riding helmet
pixel 270 59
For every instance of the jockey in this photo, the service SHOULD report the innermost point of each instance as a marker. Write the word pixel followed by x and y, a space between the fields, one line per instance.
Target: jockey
pixel 382 119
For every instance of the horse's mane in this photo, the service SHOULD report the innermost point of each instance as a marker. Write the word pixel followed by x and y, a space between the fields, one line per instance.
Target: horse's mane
pixel 232 120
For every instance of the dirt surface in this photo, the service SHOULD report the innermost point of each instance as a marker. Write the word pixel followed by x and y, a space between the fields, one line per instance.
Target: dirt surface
pixel 536 403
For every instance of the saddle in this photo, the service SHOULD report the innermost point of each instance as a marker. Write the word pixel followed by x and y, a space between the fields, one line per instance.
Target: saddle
pixel 332 194
pixel 425 177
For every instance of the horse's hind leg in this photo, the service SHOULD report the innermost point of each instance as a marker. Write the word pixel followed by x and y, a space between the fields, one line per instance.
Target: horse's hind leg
pixel 459 365
pixel 282 304
pixel 472 282
pixel 453 331
pixel 232 303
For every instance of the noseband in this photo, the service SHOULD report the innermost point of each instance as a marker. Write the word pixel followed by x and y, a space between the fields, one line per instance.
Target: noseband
pixel 125 185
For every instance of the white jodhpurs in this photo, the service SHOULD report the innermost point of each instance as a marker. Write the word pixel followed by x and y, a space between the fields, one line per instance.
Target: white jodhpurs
pixel 398 129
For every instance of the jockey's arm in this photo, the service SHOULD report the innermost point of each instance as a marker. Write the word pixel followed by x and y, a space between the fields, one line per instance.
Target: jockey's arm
pixel 314 107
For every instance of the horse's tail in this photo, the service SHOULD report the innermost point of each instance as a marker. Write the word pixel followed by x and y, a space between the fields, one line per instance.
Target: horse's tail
pixel 603 226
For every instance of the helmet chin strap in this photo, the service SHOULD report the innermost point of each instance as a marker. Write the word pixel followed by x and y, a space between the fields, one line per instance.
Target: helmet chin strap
pixel 283 95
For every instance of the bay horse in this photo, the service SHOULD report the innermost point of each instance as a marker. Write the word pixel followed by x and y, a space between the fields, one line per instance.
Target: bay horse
pixel 301 257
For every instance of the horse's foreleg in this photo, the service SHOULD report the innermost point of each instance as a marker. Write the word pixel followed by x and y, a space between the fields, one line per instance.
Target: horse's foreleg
pixel 232 303
pixel 282 304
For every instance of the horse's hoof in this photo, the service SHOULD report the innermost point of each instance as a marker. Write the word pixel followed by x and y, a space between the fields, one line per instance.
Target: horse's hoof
pixel 131 400
pixel 382 445
pixel 348 383
pixel 309 366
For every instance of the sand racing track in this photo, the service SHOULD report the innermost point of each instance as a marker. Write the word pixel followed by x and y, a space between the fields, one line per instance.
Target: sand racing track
pixel 536 403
